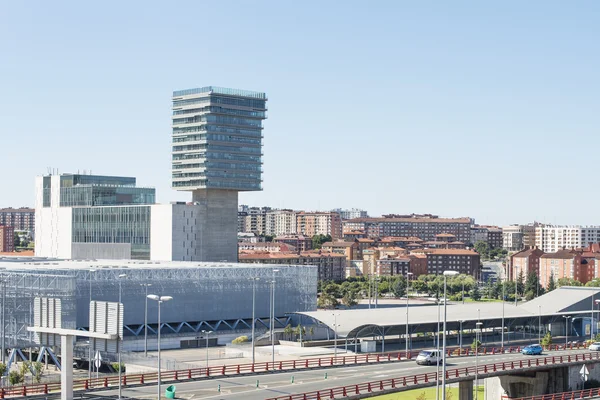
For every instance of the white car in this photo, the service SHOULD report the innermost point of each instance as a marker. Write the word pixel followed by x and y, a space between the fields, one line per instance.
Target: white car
pixel 595 346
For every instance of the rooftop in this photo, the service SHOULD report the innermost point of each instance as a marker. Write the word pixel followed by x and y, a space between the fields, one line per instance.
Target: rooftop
pixel 415 219
pixel 220 90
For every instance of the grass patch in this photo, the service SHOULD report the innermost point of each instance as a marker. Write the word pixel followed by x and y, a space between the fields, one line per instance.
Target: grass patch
pixel 426 394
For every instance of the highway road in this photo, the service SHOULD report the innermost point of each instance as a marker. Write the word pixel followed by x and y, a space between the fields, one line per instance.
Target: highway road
pixel 279 384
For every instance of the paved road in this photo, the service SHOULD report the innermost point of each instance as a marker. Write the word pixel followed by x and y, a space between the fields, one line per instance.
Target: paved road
pixel 279 384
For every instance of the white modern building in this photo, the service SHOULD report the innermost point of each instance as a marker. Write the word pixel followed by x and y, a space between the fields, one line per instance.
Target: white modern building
pixel 108 217
pixel 281 222
pixel 518 237
pixel 551 238
pixel 351 214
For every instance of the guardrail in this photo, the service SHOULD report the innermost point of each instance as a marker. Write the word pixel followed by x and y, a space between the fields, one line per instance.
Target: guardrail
pixel 245 369
pixel 419 380
pixel 577 394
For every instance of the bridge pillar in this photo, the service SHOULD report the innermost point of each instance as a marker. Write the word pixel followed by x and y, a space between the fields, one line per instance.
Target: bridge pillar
pixel 465 390
pixel 526 384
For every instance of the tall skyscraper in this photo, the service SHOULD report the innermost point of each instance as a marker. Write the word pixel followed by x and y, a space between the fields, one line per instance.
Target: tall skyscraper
pixel 216 153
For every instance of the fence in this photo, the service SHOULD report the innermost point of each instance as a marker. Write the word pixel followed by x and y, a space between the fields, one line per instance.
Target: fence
pixel 244 369
pixel 427 379
pixel 577 394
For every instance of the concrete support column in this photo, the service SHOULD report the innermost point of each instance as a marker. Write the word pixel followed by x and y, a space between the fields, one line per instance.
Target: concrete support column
pixel 465 390
pixel 66 370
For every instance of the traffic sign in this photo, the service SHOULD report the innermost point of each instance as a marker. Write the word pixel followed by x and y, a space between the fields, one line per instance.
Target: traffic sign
pixel 585 373
pixel 98 360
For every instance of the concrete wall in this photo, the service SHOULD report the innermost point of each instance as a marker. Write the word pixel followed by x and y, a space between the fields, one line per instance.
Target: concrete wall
pixel 217 233
pixel 527 384
pixel 161 232
pixel 104 251
pixel 52 224
pixel 575 378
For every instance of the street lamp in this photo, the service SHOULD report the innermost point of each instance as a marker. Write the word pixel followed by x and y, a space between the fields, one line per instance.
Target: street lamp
pixel 437 348
pixel 408 275
pixel 273 317
pixel 446 275
pixel 160 300
pixel 478 327
pixel 566 317
pixel 90 272
pixel 254 279
pixel 503 301
pixel 540 325
pixel 121 277
pixel 460 337
pixel 207 333
pixel 597 302
pixel 147 285
pixel 335 336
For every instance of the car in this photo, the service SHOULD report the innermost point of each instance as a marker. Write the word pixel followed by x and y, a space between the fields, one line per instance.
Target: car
pixel 532 350
pixel 594 346
pixel 430 357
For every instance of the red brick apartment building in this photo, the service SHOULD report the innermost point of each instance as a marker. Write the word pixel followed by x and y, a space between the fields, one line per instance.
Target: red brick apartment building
pixel 7 239
pixel 525 260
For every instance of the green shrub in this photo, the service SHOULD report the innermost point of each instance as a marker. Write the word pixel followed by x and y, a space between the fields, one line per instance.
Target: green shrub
pixel 240 340
pixel 15 377
pixel 115 366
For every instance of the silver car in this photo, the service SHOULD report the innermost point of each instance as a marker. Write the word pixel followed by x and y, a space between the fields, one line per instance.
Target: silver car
pixel 595 346
pixel 430 357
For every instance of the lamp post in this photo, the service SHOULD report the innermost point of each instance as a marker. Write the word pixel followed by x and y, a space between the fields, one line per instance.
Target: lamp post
pixel 160 300
pixel 566 317
pixel 147 285
pixel 460 337
pixel 516 284
pixel 90 272
pixel 408 274
pixel 437 348
pixel 478 328
pixel 121 277
pixel 3 321
pixel 597 302
pixel 540 325
pixel 335 336
pixel 446 275
pixel 273 317
pixel 503 301
pixel 207 333
pixel 463 291
pixel 254 279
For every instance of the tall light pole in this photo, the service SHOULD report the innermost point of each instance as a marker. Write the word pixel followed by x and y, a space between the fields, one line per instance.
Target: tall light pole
pixel 540 325
pixel 408 274
pixel 160 300
pixel 147 285
pixel 253 279
pixel 437 348
pixel 446 275
pixel 273 317
pixel 3 321
pixel 460 337
pixel 90 272
pixel 503 301
pixel 207 333
pixel 335 336
pixel 516 284
pixel 478 327
pixel 121 277
pixel 566 317
pixel 463 291
pixel 597 302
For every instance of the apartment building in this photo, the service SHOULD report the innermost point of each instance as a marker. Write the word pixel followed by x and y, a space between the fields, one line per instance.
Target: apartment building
pixel 300 242
pixel 518 237
pixel 347 249
pixel 425 227
pixel 462 261
pixel 351 214
pixel 525 261
pixel 552 238
pixel 21 219
pixel 280 222
pixel 331 266
pixel 253 219
pixel 492 235
pixel 319 223
pixel 7 239
pixel 265 246
pixel 564 263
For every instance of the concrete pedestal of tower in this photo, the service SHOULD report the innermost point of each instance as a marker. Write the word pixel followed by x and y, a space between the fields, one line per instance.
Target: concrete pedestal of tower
pixel 217 229
pixel 465 390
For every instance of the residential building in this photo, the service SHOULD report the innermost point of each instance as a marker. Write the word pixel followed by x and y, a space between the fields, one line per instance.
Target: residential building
pixel 525 261
pixel 462 261
pixel 248 237
pixel 319 223
pixel 7 239
pixel 265 246
pixel 331 266
pixel 253 219
pixel 109 217
pixel 300 242
pixel 281 222
pixel 423 227
pixel 216 153
pixel 21 219
pixel 351 214
pixel 478 234
pixel 492 235
pixel 353 235
pixel 392 266
pixel 564 263
pixel 518 237
pixel 370 257
pixel 552 238
pixel 348 249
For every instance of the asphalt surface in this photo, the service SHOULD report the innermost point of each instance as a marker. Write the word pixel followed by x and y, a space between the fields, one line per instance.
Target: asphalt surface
pixel 280 384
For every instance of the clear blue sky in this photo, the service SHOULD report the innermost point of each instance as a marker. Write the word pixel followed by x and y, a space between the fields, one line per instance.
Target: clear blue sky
pixel 454 108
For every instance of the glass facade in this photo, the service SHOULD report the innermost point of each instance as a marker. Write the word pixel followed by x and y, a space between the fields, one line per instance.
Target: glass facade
pixel 46 191
pixel 114 225
pixel 217 139
pixel 88 195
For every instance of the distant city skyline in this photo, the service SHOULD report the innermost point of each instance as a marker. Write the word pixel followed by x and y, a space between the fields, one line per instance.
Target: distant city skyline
pixel 459 109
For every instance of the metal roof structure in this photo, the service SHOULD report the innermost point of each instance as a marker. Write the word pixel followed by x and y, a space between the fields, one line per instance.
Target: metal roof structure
pixel 574 301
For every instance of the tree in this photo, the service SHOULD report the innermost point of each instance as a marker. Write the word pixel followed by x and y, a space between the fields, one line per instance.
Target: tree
pixel 399 287
pixel 15 377
pixel 547 340
pixel 568 282
pixel 288 330
pixel 475 294
pixel 17 240
pixel 269 238
pixel 476 345
pixel 483 249
pixel 350 299
pixel 311 332
pixel 594 283
pixel 2 369
pixel 327 301
pixel 552 282
pixel 520 285
pixel 318 240
pixel 532 285
pixel 115 367
pixel 38 371
pixel 240 340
